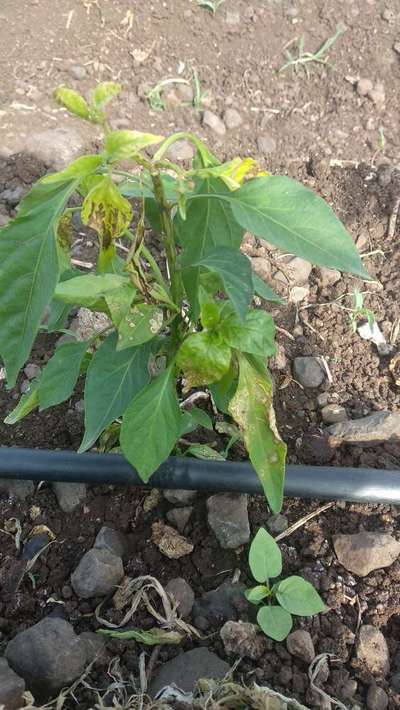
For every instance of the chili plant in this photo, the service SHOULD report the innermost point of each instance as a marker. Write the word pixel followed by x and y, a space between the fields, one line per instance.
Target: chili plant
pixel 170 328
pixel 293 595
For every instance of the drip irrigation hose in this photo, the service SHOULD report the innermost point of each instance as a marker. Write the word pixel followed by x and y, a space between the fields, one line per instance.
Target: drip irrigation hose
pixel 365 485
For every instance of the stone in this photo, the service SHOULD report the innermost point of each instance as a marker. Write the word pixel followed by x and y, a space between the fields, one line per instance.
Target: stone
pixel 297 270
pixel 308 371
pixel 48 656
pixel 322 399
pixel 183 594
pixel 98 572
pixel 69 495
pixel 55 147
pixel 333 413
pixel 278 361
pixel 366 551
pixel 364 86
pixel 298 294
pixel 180 150
pixel 87 323
pixel 328 277
pixel 388 15
pixel 395 682
pixel 266 144
pixel 34 544
pixel 232 119
pixel 377 699
pixel 377 94
pixel 17 489
pixel 179 497
pixel 221 604
pixel 374 429
pixel 179 517
pixel 211 120
pixel 94 646
pixel 187 668
pixel 78 72
pixel 111 540
pixel 170 542
pixel 243 639
pixel 13 195
pixel 228 518
pixel 262 267
pixel 372 650
pixel 277 523
pixel 349 689
pixel 300 644
pixel 31 370
pixel 232 18
pixel 185 93
pixel 12 687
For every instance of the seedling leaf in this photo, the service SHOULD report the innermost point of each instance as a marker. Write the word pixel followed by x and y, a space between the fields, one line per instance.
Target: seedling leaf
pixel 265 557
pixel 299 597
pixel 275 622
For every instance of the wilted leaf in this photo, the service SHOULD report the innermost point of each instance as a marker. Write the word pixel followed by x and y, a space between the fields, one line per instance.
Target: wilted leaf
pixel 151 637
pixel 106 211
pixel 104 92
pixel 74 102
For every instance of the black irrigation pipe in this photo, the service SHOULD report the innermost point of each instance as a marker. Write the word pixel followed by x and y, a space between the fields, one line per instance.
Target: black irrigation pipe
pixel 365 485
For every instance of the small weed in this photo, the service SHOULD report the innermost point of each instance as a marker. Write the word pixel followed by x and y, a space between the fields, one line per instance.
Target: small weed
pixel 305 58
pixel 154 95
pixel 211 5
pixel 199 94
pixel 360 312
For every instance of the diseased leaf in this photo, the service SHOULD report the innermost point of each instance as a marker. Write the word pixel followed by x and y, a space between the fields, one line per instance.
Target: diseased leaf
pixel 139 325
pixel 265 557
pixel 299 597
pixel 275 622
pixel 150 637
pixel 203 358
pixel 251 408
pixel 124 144
pixel 61 373
pixel 256 335
pixel 234 270
pixel 106 211
pixel 151 425
pixel 29 270
pixel 119 302
pixel 113 378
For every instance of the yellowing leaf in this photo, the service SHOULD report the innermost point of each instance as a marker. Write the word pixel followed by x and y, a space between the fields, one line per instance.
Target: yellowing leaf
pixel 81 167
pixel 251 408
pixel 106 211
pixel 120 145
pixel 74 102
pixel 203 358
pixel 104 92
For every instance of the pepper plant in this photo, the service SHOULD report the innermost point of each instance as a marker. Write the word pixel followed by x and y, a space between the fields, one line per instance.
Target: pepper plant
pixel 293 595
pixel 170 327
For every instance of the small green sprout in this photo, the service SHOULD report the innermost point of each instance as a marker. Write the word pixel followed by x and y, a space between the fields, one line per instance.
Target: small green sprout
pixel 304 58
pixel 293 595
pixel 360 312
pixel 211 5
pixel 154 95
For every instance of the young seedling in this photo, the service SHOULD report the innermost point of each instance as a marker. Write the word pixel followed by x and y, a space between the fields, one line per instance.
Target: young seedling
pixel 170 326
pixel 211 5
pixel 303 58
pixel 293 595
pixel 199 94
pixel 359 312
pixel 154 96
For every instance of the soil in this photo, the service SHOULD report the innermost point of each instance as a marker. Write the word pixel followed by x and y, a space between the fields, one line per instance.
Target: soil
pixel 319 129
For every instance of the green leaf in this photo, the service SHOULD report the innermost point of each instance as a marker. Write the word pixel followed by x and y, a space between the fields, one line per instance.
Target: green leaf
pixel 104 92
pixel 72 101
pixel 203 358
pixel 212 223
pixel 139 325
pixel 27 403
pixel 265 557
pixel 151 637
pixel 61 373
pixel 88 289
pixel 275 622
pixel 113 378
pixel 82 168
pixel 151 425
pixel 264 291
pixel 256 335
pixel 119 302
pixel 224 390
pixel 204 452
pixel 292 217
pixel 234 270
pixel 124 144
pixel 252 409
pixel 29 270
pixel 299 597
pixel 58 311
pixel 194 418
pixel 257 594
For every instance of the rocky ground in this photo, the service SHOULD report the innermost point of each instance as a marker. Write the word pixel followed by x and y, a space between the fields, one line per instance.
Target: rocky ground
pixel 65 549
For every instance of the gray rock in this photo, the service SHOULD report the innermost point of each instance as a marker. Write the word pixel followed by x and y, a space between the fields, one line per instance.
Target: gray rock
pixel 232 118
pixel 94 646
pixel 185 93
pixel 372 650
pixel 377 94
pixel 222 604
pixel 322 399
pixel 181 150
pixel 48 656
pixel 297 270
pixel 377 699
pixel 366 551
pixel 25 386
pixel 277 523
pixel 232 18
pixel 266 144
pixel 4 219
pixel 178 496
pixel 395 682
pixel 111 540
pixel 78 72
pixel 298 293
pixel 211 120
pixel 69 495
pixel 183 594
pixel 328 277
pixel 374 429
pixel 349 689
pixel 187 668
pixel 228 518
pixel 87 323
pixel 17 489
pixel 308 371
pixel 13 195
pixel 278 361
pixel 31 370
pixel 179 517
pixel 98 572
pixel 300 644
pixel 243 640
pixel 11 687
pixel 55 146
pixel 364 86
pixel 333 413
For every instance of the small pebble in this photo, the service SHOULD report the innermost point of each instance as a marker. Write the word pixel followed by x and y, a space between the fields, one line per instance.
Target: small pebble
pixel 232 118
pixel 377 699
pixel 31 370
pixel 364 86
pixel 211 120
pixel 266 144
pixel 333 413
pixel 78 72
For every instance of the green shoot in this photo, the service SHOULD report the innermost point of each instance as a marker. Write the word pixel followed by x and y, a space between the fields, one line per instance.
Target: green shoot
pixel 211 5
pixel 303 58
